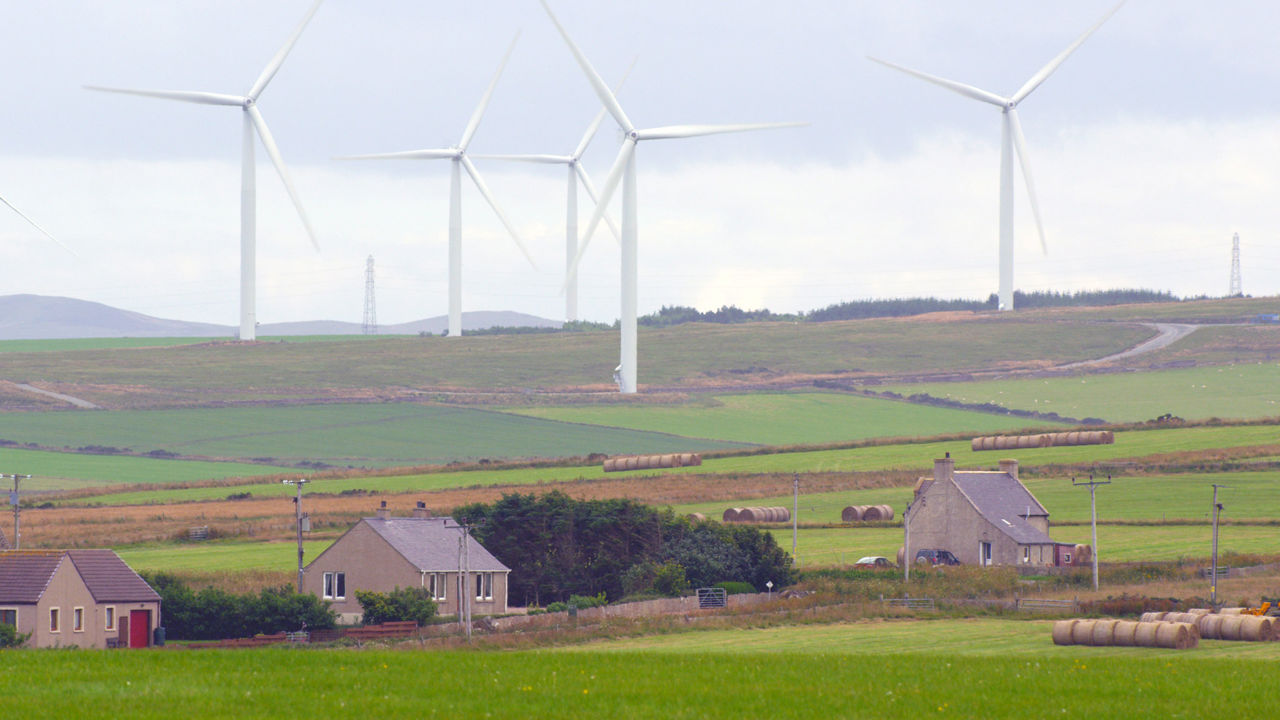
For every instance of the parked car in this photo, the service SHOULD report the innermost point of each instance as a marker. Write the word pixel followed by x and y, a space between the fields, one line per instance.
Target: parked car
pixel 936 557
pixel 873 562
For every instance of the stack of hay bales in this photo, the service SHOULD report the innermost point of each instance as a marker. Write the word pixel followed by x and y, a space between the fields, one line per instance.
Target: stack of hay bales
pixel 757 514
pixel 1230 624
pixel 1043 440
pixel 1126 633
pixel 866 513
pixel 651 462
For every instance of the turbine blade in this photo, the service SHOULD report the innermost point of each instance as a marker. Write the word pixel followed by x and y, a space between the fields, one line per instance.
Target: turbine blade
pixel 602 205
pixel 685 131
pixel 968 91
pixel 441 154
pixel 597 83
pixel 1020 146
pixel 595 124
pixel 274 153
pixel 1049 69
pixel 200 98
pixel 274 66
pixel 493 203
pixel 36 225
pixel 591 192
pixel 474 123
pixel 548 159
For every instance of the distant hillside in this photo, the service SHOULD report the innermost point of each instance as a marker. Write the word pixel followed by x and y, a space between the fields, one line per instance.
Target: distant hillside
pixel 40 317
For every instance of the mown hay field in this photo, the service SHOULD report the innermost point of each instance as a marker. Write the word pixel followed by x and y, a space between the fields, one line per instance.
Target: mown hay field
pixel 905 677
pixel 788 418
pixel 363 435
pixel 1227 391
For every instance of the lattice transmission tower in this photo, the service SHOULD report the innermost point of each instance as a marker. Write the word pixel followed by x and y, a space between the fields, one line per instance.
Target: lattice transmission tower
pixel 370 324
pixel 1236 291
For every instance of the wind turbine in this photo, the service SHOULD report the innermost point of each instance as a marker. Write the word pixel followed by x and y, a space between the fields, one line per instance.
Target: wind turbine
pixel 1011 138
pixel 460 161
pixel 624 171
pixel 576 173
pixel 34 224
pixel 252 122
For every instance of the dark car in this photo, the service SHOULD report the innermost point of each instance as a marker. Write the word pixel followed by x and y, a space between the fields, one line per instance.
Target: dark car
pixel 936 557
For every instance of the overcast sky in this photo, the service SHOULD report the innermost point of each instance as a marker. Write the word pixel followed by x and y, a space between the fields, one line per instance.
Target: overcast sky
pixel 1153 144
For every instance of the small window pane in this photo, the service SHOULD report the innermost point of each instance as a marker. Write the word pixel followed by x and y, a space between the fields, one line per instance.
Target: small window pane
pixel 340 585
pixel 111 618
pixel 77 620
pixel 328 585
pixel 9 617
pixel 53 619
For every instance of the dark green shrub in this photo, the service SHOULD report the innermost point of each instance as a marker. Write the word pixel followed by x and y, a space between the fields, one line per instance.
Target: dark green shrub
pixel 399 605
pixel 213 614
pixel 10 637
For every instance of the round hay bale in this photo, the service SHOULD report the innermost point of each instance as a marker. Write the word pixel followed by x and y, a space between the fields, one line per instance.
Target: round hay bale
pixel 1210 626
pixel 1082 633
pixel 1062 631
pixel 784 514
pixel 1231 611
pixel 731 515
pixel 1200 611
pixel 1231 626
pixel 1145 634
pixel 873 513
pixel 697 517
pixel 1122 635
pixel 1172 636
pixel 609 464
pixel 902 554
pixel 1151 617
pixel 862 511
pixel 1104 633
pixel 1255 629
pixel 1179 617
pixel 887 512
pixel 976 444
pixel 850 514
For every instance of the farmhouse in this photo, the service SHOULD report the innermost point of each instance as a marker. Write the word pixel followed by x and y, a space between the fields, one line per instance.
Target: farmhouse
pixel 383 553
pixel 983 518
pixel 81 598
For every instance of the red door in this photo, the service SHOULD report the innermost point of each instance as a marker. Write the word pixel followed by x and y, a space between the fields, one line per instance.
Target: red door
pixel 139 628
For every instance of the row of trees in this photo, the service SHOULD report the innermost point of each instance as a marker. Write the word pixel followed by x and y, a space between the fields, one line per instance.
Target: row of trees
pixel 557 547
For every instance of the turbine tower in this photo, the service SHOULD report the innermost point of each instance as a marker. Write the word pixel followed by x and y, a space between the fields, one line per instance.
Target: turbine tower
pixel 370 324
pixel 1236 290
pixel 573 161
pixel 460 161
pixel 1011 138
pixel 624 171
pixel 252 122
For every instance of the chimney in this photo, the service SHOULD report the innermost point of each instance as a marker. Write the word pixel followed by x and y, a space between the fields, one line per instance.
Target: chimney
pixel 944 469
pixel 383 512
pixel 421 511
pixel 1009 466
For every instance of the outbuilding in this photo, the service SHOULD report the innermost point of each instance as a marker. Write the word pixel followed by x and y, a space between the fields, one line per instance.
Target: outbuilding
pixel 383 553
pixel 77 598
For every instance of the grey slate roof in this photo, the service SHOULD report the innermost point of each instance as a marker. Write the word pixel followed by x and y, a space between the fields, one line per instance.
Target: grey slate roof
pixel 1004 502
pixel 109 579
pixel 431 544
pixel 25 575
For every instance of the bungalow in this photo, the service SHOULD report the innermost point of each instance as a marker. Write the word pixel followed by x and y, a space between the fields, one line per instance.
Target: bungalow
pixel 81 598
pixel 983 518
pixel 383 553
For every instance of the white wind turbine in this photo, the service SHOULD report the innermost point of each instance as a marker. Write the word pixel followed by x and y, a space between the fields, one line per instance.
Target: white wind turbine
pixel 253 121
pixel 460 161
pixel 576 173
pixel 1011 138
pixel 34 224
pixel 624 171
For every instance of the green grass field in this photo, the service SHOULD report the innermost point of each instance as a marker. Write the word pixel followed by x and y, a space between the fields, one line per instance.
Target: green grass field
pixel 1232 391
pixel 362 435
pixel 220 555
pixel 787 419
pixel 70 471
pixel 867 670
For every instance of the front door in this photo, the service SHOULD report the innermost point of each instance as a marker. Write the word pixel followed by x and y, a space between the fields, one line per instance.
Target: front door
pixel 984 553
pixel 139 628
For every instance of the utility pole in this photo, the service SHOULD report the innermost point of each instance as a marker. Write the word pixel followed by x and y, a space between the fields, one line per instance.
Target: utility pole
pixel 795 512
pixel 1213 583
pixel 464 578
pixel 1093 512
pixel 299 518
pixel 13 500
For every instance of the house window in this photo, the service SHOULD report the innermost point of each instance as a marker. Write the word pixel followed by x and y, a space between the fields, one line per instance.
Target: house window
pixel 1066 558
pixel 109 618
pixel 53 620
pixel 1026 554
pixel 484 586
pixel 335 586
pixel 77 620
pixel 9 616
pixel 436 584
